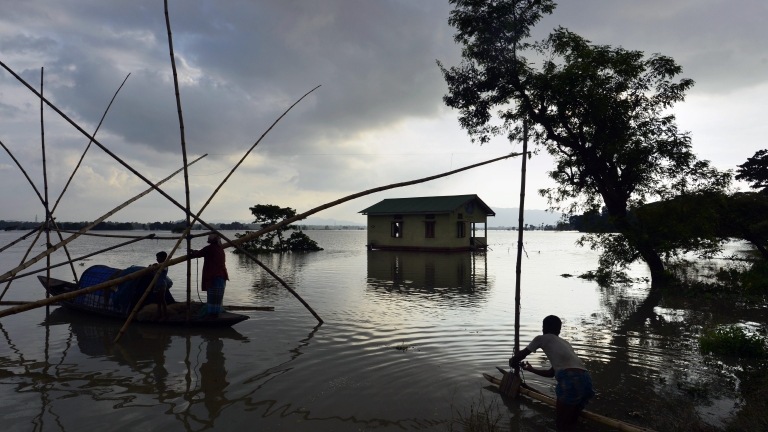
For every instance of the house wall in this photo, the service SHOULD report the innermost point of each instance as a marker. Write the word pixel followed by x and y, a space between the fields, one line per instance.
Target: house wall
pixel 446 231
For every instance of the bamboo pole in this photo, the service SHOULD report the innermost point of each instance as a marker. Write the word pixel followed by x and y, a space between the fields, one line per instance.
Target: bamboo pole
pixel 146 237
pixel 241 240
pixel 156 237
pixel 8 285
pixel 45 201
pixel 55 247
pixel 32 231
pixel 46 225
pixel 537 395
pixel 130 168
pixel 89 145
pixel 520 226
pixel 183 155
pixel 185 234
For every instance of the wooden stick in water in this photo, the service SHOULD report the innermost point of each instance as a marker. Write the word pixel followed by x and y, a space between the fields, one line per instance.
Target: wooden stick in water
pixel 183 155
pixel 40 303
pixel 520 229
pixel 55 247
pixel 45 190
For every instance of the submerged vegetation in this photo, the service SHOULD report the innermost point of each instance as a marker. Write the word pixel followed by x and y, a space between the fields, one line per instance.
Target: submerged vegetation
pixel 732 341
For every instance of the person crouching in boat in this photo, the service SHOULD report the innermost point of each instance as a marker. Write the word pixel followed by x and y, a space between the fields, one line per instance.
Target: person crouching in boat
pixel 162 284
pixel 574 385
pixel 215 275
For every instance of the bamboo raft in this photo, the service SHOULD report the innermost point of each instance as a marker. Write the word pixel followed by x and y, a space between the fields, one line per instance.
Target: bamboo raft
pixel 534 394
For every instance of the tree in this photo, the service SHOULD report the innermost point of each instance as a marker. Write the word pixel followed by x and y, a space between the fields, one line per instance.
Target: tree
pixel 755 170
pixel 600 112
pixel 267 215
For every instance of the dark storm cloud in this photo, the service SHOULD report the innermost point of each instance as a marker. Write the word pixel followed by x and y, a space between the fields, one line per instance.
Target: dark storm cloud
pixel 243 63
pixel 721 44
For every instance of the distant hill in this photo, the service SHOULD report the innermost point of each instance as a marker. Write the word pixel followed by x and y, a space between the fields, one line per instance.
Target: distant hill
pixel 507 217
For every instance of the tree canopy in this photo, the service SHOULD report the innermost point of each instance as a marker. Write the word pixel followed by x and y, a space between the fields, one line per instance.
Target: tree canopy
pixel 601 112
pixel 755 170
pixel 267 215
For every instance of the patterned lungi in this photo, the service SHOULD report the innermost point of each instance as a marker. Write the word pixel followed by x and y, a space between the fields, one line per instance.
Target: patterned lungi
pixel 574 388
pixel 216 295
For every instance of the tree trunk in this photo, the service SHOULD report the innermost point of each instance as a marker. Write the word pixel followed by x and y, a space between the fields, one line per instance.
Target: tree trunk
pixel 655 264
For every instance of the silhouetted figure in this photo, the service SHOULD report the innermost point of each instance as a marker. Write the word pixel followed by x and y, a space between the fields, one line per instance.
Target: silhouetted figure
pixel 574 385
pixel 215 275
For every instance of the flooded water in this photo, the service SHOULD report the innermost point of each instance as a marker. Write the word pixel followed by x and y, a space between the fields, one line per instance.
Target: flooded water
pixel 406 336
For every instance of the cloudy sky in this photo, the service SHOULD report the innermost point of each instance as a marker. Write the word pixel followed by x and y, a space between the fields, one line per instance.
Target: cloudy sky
pixel 377 119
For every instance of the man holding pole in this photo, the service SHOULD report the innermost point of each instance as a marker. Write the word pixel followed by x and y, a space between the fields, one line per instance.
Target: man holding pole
pixel 215 275
pixel 574 385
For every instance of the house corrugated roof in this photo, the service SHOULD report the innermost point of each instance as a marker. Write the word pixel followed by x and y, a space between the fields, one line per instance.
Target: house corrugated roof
pixel 433 204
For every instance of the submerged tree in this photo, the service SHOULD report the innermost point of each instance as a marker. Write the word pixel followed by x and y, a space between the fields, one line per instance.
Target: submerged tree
pixel 601 112
pixel 267 215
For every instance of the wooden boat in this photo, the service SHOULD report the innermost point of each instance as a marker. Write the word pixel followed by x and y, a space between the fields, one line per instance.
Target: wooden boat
pixel 532 393
pixel 117 304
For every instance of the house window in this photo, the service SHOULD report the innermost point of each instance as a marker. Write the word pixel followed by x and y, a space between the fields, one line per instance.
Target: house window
pixel 429 229
pixel 397 230
pixel 461 215
pixel 462 229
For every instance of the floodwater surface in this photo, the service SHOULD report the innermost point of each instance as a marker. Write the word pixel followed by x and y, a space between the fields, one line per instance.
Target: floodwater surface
pixel 406 338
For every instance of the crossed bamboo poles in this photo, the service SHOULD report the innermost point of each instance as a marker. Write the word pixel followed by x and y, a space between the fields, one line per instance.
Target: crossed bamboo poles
pixel 190 218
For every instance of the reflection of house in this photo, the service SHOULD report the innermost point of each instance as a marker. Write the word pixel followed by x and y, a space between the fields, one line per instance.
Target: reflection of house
pixel 418 271
pixel 441 223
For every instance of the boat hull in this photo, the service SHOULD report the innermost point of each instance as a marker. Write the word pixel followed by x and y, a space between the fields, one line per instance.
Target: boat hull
pixel 57 286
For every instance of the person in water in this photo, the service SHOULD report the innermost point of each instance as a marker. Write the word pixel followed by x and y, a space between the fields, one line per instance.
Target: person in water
pixel 162 284
pixel 574 385
pixel 215 275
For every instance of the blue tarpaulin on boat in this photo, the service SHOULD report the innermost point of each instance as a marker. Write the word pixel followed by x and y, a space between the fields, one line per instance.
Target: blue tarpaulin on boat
pixel 120 299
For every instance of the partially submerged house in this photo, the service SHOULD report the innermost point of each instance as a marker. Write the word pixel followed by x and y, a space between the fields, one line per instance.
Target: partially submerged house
pixel 439 223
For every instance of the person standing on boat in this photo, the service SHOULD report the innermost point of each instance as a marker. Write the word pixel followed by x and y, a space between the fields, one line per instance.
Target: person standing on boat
pixel 162 284
pixel 215 275
pixel 574 385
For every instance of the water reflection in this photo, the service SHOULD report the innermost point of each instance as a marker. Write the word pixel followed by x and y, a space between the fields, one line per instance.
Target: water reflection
pixel 456 277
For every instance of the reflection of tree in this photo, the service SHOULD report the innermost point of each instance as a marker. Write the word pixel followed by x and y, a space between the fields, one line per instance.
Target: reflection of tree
pixel 454 277
pixel 287 266
pixel 639 355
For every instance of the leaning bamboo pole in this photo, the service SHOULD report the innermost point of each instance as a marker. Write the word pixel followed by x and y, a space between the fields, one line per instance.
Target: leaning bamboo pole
pixel 156 237
pixel 55 247
pixel 26 254
pixel 241 240
pixel 115 157
pixel 117 246
pixel 197 217
pixel 183 156
pixel 74 171
pixel 46 225
pixel 22 238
